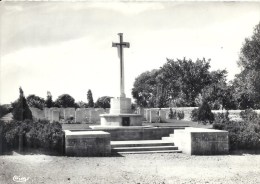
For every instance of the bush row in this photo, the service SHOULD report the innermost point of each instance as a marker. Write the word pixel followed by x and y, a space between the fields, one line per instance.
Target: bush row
pixel 176 114
pixel 40 134
pixel 244 134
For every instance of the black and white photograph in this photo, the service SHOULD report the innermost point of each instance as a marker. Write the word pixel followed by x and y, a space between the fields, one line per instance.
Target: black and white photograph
pixel 129 92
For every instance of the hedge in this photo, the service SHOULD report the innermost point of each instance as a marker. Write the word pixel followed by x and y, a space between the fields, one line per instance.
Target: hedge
pixel 243 134
pixel 41 135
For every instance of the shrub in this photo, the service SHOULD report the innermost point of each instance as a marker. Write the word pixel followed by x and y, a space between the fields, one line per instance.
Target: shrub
pixel 4 109
pixel 203 114
pixel 12 130
pixel 172 115
pixel 45 135
pixel 180 115
pixel 39 134
pixel 248 114
pixel 220 119
pixel 194 115
pixel 242 134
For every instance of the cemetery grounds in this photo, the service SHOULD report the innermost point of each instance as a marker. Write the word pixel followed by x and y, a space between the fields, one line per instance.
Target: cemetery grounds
pixel 159 168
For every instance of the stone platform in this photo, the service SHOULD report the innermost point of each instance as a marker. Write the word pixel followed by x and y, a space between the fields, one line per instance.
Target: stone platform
pixel 87 143
pixel 121 114
pixel 97 141
pixel 201 141
pixel 120 105
pixel 121 120
pixel 122 133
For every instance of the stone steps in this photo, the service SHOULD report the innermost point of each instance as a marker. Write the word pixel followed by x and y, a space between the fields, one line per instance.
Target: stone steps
pixel 148 152
pixel 140 143
pixel 143 146
pixel 170 139
pixel 172 135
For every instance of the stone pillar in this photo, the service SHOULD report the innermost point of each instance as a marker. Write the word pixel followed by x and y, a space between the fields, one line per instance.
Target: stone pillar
pixel 55 116
pixel 153 115
pixel 148 115
pixel 49 112
pixel 68 113
pixel 163 115
pixel 78 116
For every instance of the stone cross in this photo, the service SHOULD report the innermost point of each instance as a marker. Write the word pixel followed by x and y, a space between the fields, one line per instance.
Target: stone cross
pixel 120 47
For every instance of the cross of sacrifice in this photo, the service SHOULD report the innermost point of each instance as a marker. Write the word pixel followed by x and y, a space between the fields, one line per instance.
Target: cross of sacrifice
pixel 120 47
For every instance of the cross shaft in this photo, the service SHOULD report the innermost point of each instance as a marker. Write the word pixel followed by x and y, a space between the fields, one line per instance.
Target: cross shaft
pixel 120 47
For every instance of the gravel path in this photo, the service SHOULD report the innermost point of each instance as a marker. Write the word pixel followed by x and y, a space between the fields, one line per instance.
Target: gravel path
pixel 139 168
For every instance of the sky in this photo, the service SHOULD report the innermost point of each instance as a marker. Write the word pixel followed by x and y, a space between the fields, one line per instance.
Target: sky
pixel 66 47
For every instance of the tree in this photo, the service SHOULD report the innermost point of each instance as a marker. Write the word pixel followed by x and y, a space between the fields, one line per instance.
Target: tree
pixel 247 83
pixel 145 89
pixel 21 109
pixel 244 92
pixel 103 102
pixel 65 101
pixel 5 109
pixel 177 82
pixel 82 104
pixel 185 79
pixel 203 114
pixel 250 51
pixel 35 101
pixel 48 102
pixel 218 93
pixel 90 99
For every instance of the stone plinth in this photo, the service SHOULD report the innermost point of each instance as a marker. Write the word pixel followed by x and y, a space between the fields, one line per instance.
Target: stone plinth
pixel 120 105
pixel 200 141
pixel 87 143
pixel 121 120
pixel 121 133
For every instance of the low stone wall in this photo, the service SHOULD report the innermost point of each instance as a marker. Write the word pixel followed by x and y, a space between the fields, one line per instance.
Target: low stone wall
pixel 71 115
pixel 153 114
pixel 87 143
pixel 37 113
pixel 95 115
pixel 200 141
pixel 91 115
